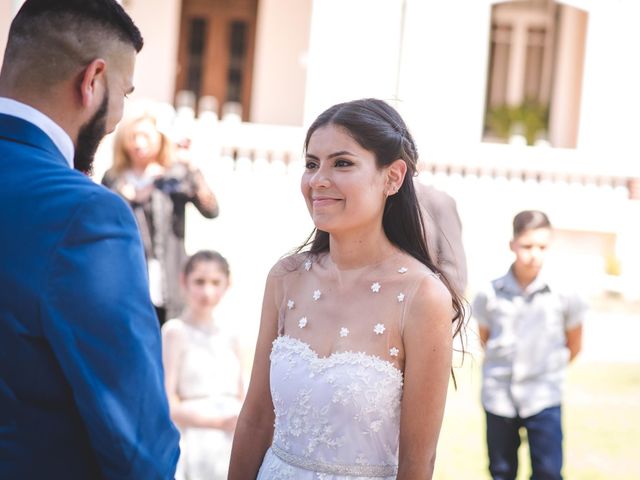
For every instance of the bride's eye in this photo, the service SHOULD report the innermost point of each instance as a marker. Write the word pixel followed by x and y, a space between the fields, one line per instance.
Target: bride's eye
pixel 343 163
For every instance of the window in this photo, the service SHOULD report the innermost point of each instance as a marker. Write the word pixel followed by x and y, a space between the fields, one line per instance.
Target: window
pixel 215 55
pixel 528 85
pixel 197 35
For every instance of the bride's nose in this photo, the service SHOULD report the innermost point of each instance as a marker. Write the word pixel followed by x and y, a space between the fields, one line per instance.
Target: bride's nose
pixel 320 179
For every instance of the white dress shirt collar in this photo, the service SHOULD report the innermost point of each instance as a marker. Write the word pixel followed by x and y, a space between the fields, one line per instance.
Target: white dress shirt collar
pixel 57 135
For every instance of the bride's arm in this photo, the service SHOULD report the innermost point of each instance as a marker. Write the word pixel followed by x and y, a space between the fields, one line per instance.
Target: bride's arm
pixel 428 350
pixel 254 430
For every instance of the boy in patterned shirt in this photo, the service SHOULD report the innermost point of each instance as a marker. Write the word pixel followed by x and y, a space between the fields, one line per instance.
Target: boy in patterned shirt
pixel 530 330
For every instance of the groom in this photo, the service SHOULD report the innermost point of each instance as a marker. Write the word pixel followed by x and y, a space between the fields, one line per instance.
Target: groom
pixel 81 381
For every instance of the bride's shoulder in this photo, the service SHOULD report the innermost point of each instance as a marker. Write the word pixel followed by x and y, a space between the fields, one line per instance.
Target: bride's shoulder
pixel 428 287
pixel 291 266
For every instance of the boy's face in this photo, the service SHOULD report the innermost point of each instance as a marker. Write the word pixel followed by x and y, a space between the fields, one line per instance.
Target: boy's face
pixel 530 248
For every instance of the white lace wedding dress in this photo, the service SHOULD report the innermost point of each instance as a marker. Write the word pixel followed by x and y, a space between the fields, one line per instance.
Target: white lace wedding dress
pixel 337 414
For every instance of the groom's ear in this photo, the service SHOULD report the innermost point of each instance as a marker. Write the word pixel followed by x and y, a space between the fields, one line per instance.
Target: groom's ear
pixel 92 84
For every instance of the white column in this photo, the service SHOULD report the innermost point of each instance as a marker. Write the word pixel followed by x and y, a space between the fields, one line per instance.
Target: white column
pixel 159 22
pixel 567 89
pixel 517 58
pixel 280 66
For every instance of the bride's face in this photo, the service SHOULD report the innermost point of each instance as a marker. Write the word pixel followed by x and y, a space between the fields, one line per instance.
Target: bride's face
pixel 342 185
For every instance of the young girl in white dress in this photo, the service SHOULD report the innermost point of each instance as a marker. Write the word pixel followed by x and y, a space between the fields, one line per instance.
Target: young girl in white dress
pixel 202 372
pixel 354 350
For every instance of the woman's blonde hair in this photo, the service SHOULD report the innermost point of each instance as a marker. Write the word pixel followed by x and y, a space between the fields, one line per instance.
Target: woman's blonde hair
pixel 121 159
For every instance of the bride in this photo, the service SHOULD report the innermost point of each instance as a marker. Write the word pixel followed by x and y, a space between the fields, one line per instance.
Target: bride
pixel 354 350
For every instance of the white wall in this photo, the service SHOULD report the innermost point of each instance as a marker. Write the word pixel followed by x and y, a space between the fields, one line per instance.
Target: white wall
pixel 159 22
pixel 353 52
pixel 444 73
pixel 611 93
pixel 280 69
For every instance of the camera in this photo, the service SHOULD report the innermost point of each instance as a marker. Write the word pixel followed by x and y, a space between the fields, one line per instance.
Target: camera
pixel 169 185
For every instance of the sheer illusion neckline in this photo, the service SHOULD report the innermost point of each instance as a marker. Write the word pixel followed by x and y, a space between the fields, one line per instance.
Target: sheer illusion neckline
pixel 327 262
pixel 340 356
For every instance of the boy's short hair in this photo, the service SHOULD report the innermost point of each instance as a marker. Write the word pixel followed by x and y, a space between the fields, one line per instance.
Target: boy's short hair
pixel 529 220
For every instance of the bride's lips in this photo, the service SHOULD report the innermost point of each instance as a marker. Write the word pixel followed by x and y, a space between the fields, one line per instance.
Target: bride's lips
pixel 322 201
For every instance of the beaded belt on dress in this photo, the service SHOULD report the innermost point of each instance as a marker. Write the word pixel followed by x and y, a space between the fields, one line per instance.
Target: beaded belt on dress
pixel 320 467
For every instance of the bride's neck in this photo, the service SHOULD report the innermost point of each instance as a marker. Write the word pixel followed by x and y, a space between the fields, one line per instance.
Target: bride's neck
pixel 360 250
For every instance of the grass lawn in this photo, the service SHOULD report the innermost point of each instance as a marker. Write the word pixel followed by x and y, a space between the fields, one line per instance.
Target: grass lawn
pixel 601 413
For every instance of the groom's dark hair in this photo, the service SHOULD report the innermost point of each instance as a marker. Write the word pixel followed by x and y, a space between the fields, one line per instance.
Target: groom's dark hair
pixel 49 40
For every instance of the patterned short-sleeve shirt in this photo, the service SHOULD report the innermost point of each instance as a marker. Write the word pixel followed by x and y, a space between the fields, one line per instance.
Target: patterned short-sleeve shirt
pixel 526 354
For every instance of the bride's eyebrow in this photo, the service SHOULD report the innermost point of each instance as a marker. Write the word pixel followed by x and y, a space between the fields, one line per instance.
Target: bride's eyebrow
pixel 332 155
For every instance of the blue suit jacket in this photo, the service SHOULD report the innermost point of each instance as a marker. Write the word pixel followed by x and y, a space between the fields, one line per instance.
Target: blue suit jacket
pixel 81 379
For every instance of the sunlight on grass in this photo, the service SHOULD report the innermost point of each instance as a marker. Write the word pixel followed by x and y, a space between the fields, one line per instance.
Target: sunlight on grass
pixel 601 417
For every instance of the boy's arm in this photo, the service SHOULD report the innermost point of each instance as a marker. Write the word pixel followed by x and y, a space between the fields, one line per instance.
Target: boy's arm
pixel 575 313
pixel 574 341
pixel 479 312
pixel 483 333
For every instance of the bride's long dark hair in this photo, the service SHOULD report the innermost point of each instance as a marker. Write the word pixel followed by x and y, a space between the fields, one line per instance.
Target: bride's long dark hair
pixel 379 128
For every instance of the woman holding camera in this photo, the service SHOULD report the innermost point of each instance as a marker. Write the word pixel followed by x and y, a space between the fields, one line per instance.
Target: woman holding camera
pixel 158 185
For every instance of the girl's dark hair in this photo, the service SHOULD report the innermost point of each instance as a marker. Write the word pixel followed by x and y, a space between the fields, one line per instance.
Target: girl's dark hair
pixel 378 128
pixel 529 220
pixel 206 256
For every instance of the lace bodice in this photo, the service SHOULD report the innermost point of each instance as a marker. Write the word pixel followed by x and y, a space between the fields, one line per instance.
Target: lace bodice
pixel 342 409
pixel 336 371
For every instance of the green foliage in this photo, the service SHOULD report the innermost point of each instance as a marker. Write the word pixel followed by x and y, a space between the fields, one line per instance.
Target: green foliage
pixel 529 118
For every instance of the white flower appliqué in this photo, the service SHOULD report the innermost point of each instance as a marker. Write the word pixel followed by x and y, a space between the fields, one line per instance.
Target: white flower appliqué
pixel 393 351
pixel 375 425
pixel 344 332
pixel 403 270
pixel 302 322
pixel 379 329
pixel 400 297
pixel 375 287
pixel 307 265
pixel 291 304
pixel 317 294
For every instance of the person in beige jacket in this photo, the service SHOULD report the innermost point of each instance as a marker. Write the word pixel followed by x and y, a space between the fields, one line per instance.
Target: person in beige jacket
pixel 444 233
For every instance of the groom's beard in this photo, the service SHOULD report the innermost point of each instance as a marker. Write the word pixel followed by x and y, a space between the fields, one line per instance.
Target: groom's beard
pixel 89 137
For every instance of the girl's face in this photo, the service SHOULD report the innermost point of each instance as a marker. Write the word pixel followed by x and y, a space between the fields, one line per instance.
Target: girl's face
pixel 530 248
pixel 342 184
pixel 142 143
pixel 205 285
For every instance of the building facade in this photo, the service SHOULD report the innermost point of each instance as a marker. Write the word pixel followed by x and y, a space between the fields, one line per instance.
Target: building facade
pixel 476 80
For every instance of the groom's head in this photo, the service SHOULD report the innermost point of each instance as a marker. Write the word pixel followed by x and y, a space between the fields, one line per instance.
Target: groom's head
pixel 73 60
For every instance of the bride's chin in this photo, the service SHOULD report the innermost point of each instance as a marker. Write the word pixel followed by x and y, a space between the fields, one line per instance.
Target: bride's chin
pixel 322 225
